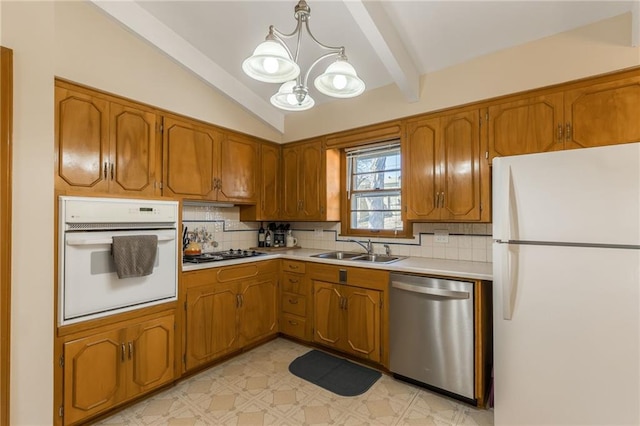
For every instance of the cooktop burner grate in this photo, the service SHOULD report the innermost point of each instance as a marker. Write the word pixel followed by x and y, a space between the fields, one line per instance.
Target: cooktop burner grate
pixel 221 255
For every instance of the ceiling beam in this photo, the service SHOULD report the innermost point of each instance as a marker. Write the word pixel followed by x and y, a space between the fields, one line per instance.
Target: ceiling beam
pixel 148 27
pixel 386 42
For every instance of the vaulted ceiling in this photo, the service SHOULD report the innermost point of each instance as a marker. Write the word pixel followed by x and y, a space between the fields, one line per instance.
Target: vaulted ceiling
pixel 387 41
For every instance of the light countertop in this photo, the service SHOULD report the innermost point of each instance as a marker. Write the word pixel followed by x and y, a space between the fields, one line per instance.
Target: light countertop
pixel 416 265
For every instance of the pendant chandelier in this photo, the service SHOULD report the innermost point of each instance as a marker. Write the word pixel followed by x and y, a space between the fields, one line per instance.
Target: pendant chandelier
pixel 274 62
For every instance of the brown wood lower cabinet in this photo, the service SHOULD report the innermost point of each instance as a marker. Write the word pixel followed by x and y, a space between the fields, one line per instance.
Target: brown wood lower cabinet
pixel 110 367
pixel 349 311
pixel 295 301
pixel 348 319
pixel 228 308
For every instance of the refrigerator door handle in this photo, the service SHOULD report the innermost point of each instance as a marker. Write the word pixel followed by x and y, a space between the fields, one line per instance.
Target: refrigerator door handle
pixel 508 254
pixel 506 209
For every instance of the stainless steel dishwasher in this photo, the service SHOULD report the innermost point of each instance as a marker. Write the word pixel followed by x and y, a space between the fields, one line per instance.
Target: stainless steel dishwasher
pixel 432 333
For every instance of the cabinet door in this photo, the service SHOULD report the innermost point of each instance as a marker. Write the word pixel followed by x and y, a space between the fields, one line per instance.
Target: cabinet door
pixel 94 374
pixel 189 159
pixel 82 141
pixel 133 153
pixel 238 169
pixel 362 309
pixel 270 185
pixel 150 350
pixel 258 310
pixel 211 328
pixel 460 167
pixel 421 165
pixel 290 198
pixel 603 114
pixel 526 126
pixel 328 315
pixel 311 186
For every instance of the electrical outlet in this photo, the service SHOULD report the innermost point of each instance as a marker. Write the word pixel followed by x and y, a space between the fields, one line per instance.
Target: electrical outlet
pixel 317 233
pixel 441 236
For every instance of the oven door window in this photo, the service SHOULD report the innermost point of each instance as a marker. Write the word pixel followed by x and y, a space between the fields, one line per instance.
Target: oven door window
pixel 91 285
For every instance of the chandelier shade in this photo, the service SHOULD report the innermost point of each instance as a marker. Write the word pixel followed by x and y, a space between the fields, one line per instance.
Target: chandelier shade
pixel 340 81
pixel 270 63
pixel 274 62
pixel 291 97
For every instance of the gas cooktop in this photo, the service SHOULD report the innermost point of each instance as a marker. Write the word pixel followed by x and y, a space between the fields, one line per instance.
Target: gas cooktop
pixel 221 255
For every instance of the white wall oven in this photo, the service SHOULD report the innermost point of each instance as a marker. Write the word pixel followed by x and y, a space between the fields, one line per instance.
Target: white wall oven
pixel 91 284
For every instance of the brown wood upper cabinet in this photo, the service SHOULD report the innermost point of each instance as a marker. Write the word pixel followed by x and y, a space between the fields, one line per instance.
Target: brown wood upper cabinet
pixel 268 204
pixel 445 179
pixel 202 162
pixel 598 114
pixel 104 146
pixel 310 182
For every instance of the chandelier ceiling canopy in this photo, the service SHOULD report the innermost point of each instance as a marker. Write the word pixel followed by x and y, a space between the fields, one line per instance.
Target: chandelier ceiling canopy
pixel 274 62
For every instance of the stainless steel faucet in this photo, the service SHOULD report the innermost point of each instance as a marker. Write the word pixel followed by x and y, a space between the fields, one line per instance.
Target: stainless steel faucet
pixel 387 249
pixel 368 247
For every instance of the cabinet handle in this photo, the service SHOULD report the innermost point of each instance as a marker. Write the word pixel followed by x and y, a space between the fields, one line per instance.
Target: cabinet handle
pixel 105 170
pixel 568 132
pixel 442 200
pixel 293 281
pixel 560 132
pixel 122 351
pixel 237 300
pixel 293 322
pixel 111 171
pixel 293 301
pixel 294 267
pixel 130 349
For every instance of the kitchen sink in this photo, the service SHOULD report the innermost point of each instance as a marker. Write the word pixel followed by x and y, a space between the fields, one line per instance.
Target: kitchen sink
pixel 358 257
pixel 377 258
pixel 339 255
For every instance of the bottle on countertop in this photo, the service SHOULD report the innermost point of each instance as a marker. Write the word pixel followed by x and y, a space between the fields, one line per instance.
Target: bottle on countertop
pixel 267 238
pixel 261 236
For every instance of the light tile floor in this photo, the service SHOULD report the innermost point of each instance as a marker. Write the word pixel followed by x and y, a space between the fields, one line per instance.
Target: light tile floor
pixel 256 388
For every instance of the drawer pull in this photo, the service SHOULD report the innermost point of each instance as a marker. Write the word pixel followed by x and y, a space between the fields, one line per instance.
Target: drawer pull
pixel 293 266
pixel 293 301
pixel 293 281
pixel 293 322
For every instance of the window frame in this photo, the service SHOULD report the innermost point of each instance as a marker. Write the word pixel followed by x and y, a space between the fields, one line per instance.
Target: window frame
pixel 346 227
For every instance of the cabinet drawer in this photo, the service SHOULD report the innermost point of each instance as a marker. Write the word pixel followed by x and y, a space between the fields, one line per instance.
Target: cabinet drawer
pixel 293 326
pixel 293 283
pixel 374 279
pixel 293 266
pixel 294 304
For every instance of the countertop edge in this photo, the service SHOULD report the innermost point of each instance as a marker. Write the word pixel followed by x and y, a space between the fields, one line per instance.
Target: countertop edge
pixel 414 265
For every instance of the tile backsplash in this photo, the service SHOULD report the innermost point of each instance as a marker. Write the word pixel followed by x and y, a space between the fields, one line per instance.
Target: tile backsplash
pixel 220 228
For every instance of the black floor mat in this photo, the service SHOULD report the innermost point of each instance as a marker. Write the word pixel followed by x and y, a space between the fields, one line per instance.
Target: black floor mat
pixel 335 374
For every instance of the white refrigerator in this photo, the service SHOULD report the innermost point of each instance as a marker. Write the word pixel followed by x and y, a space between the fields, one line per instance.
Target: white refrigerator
pixel 566 265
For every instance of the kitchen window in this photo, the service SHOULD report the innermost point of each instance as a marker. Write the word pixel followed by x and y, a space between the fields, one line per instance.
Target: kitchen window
pixel 374 190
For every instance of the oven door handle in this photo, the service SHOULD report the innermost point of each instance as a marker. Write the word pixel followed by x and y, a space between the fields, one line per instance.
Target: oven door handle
pixel 93 242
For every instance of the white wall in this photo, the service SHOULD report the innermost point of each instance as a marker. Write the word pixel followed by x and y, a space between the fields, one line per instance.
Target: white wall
pixel 594 49
pixel 27 28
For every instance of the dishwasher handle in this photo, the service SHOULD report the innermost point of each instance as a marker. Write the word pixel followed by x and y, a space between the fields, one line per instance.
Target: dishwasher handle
pixel 450 294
